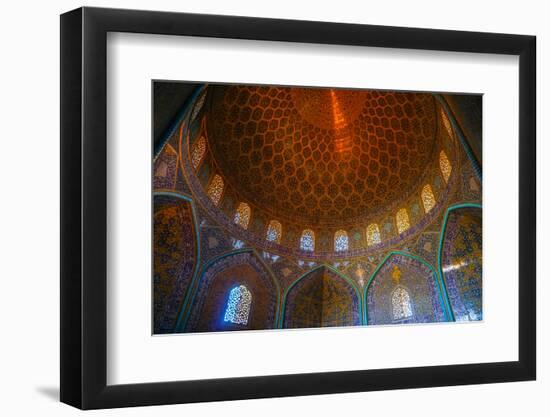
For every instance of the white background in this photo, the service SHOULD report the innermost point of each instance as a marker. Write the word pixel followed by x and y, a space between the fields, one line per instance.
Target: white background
pixel 133 60
pixel 29 219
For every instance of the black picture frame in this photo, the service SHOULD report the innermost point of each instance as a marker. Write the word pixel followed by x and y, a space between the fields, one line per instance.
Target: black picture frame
pixel 84 207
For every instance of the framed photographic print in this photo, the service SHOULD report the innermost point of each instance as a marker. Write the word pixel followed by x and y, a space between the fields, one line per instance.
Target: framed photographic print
pixel 256 208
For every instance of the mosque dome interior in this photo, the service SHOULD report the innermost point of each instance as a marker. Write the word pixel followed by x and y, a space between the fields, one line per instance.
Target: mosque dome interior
pixel 292 207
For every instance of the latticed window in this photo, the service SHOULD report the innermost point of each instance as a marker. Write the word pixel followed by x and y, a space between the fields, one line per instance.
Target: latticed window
pixel 340 241
pixel 401 304
pixel 215 189
pixel 238 305
pixel 402 220
pixel 445 166
pixel 428 198
pixel 242 215
pixel 274 231
pixel 373 235
pixel 197 154
pixel 307 241
pixel 446 122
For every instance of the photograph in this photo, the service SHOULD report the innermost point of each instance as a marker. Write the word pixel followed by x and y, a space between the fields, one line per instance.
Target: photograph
pixel 270 209
pixel 305 207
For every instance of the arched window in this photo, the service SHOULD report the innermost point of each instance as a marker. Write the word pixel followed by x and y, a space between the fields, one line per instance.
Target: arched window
pixel 307 241
pixel 373 235
pixel 215 189
pixel 340 241
pixel 445 166
pixel 198 151
pixel 401 304
pixel 446 123
pixel 274 231
pixel 242 215
pixel 428 198
pixel 402 220
pixel 238 305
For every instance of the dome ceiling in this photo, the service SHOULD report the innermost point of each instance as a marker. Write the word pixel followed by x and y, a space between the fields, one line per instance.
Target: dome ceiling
pixel 321 156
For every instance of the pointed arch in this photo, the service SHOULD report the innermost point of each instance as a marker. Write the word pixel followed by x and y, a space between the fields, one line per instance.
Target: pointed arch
pixel 445 166
pixel 329 319
pixel 307 240
pixel 456 304
pixel 242 215
pixel 215 189
pixel 173 276
pixel 431 289
pixel 401 304
pixel 238 305
pixel 428 198
pixel 198 151
pixel 274 231
pixel 402 220
pixel 217 277
pixel 341 241
pixel 373 235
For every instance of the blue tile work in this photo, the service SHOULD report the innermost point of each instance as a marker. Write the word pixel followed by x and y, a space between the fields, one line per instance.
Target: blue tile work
pixel 214 242
pixel 174 259
pixel 286 270
pixel 323 297
pixel 426 246
pixel 360 271
pixel 461 263
pixel 420 282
